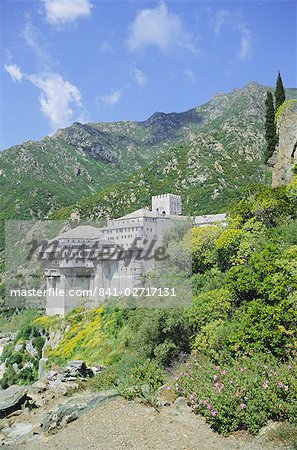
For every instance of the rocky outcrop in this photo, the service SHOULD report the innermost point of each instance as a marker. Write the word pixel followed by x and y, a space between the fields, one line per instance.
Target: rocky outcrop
pixel 12 399
pixel 72 409
pixel 285 157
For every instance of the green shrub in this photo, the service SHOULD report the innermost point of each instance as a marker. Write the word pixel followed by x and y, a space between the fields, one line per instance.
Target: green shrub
pixel 159 333
pixel 244 394
pixel 143 381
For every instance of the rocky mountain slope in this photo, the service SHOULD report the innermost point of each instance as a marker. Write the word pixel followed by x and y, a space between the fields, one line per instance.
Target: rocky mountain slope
pixel 218 156
pixel 224 140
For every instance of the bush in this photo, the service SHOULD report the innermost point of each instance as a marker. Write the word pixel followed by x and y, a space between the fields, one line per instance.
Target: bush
pixel 159 333
pixel 143 382
pixel 244 394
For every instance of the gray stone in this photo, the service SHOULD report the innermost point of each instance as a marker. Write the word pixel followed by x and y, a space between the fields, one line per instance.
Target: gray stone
pixel 12 399
pixel 42 368
pixel 182 404
pixel 72 409
pixel 285 156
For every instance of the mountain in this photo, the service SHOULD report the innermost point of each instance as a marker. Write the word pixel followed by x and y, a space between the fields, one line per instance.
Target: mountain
pixel 221 152
pixel 222 141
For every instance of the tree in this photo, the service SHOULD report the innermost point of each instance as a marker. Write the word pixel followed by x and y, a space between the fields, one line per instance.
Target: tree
pixel 280 95
pixel 270 127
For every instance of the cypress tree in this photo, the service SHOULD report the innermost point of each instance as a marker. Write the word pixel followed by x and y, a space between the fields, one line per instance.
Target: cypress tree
pixel 280 95
pixel 270 127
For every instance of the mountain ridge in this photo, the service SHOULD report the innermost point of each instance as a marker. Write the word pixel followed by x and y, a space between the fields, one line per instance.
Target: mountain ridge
pixel 38 177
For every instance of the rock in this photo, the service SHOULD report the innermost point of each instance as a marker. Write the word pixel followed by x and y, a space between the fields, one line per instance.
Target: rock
pixel 15 367
pixel 19 432
pixel 181 403
pixel 18 347
pixel 72 409
pixel 285 156
pixel 40 385
pixel 165 396
pixel 79 368
pixel 12 399
pixel 97 368
pixel 42 368
pixel 2 370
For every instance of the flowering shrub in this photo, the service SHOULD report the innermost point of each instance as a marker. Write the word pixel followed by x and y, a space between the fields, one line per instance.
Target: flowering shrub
pixel 243 394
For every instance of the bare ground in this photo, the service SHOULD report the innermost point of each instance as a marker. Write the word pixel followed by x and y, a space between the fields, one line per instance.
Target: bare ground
pixel 119 424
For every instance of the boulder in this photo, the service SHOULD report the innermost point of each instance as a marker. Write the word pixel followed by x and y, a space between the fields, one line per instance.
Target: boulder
pixel 12 399
pixel 73 370
pixel 79 368
pixel 72 409
pixel 165 395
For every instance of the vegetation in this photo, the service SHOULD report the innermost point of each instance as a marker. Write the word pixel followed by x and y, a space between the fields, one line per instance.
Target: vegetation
pixel 232 352
pixel 270 127
pixel 280 95
pixel 273 110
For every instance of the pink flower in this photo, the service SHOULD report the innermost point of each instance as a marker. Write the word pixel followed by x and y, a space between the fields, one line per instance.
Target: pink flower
pixel 176 386
pixel 286 387
pixel 265 384
pixel 209 406
pixel 192 396
pixel 280 385
pixel 213 413
pixel 243 405
pixel 216 384
pixel 215 377
pixel 217 367
pixel 168 388
pixel 200 402
pixel 223 372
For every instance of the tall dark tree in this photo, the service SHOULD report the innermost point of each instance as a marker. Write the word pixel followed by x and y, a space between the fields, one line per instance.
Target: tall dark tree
pixel 280 95
pixel 270 127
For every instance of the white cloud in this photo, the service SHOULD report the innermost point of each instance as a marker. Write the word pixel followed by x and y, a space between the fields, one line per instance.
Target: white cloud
pixel 245 50
pixel 139 77
pixel 106 47
pixel 160 28
pixel 190 74
pixel 235 21
pixel 56 99
pixel 14 71
pixel 113 98
pixel 63 11
pixel 36 41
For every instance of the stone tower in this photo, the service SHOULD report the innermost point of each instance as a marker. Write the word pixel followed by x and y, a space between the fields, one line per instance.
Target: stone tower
pixel 167 204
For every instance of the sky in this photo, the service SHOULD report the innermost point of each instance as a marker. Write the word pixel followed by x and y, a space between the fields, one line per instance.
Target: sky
pixel 100 61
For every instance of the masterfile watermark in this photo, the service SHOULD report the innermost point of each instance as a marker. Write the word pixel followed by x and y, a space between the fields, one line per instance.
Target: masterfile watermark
pixel 52 250
pixel 51 263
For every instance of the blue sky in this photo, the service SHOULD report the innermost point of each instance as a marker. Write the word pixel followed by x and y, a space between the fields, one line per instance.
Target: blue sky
pixel 86 60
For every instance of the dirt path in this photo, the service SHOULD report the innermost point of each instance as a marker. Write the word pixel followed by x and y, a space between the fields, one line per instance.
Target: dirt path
pixel 119 425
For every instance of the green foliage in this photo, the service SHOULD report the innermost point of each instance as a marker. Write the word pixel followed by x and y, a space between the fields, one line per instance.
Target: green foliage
pixel 270 127
pixel 203 247
pixel 242 394
pixel 12 321
pixel 286 105
pixel 143 382
pixel 160 334
pixel 280 95
pixel 272 207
